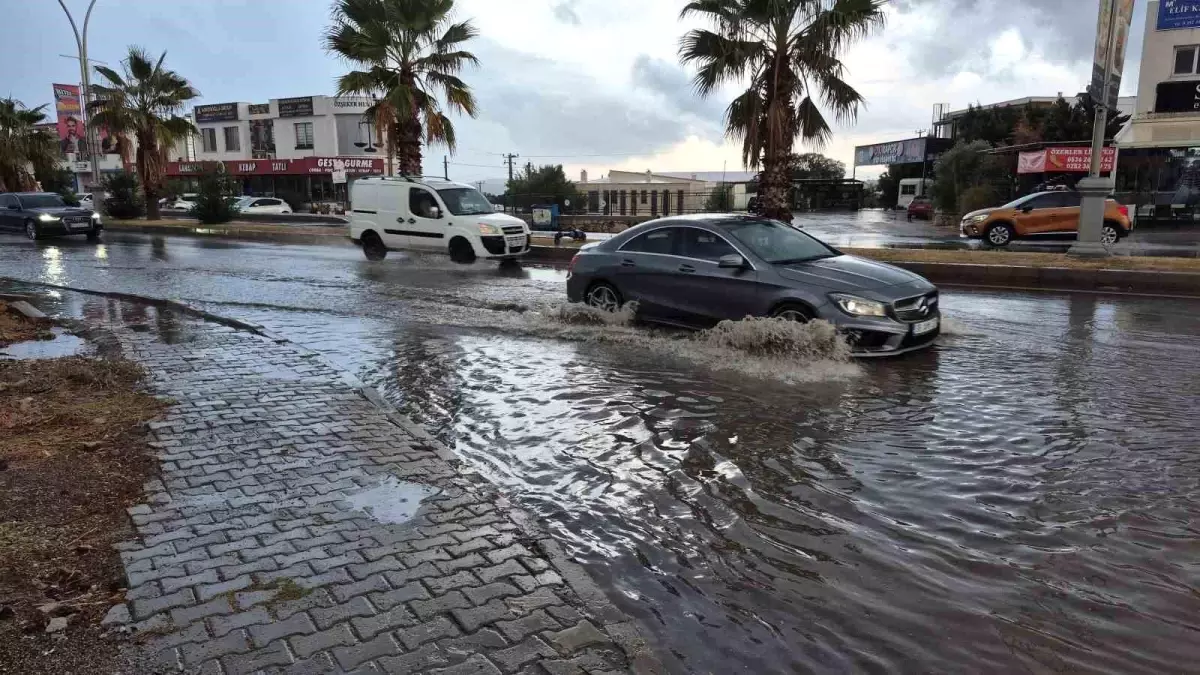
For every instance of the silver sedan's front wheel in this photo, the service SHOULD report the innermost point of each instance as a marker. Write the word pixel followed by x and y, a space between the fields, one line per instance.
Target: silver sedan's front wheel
pixel 603 296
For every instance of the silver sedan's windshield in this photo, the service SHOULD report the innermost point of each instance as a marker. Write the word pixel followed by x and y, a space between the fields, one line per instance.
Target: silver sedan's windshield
pixel 777 243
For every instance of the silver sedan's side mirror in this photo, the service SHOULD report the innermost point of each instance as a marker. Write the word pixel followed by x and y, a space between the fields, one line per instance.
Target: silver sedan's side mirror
pixel 732 261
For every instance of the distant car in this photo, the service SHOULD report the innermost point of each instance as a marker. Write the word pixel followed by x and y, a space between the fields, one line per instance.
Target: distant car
pixel 45 214
pixel 262 205
pixel 1052 213
pixel 920 207
pixel 694 271
pixel 181 203
pixel 85 200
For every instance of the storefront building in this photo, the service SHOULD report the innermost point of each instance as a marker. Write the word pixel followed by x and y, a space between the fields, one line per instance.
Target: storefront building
pixel 1158 168
pixel 305 149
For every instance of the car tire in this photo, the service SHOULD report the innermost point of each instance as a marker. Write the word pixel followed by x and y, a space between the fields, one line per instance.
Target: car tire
pixel 31 231
pixel 461 251
pixel 999 234
pixel 94 236
pixel 603 296
pixel 792 312
pixel 373 247
pixel 1110 233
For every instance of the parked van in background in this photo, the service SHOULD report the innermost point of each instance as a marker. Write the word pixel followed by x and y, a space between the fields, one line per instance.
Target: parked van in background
pixel 406 213
pixel 910 189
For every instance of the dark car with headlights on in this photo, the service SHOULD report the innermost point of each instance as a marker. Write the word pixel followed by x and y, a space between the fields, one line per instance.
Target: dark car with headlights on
pixel 45 214
pixel 694 271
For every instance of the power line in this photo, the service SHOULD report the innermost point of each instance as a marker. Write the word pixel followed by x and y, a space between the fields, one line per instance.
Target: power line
pixel 478 166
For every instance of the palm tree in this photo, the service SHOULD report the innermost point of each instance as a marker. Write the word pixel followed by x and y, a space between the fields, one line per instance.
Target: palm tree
pixel 409 52
pixel 23 145
pixel 144 103
pixel 787 53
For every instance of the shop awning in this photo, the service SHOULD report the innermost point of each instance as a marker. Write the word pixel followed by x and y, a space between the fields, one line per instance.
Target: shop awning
pixel 1160 133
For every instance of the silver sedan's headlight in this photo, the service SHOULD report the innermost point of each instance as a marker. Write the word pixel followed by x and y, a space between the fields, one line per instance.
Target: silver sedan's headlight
pixel 856 306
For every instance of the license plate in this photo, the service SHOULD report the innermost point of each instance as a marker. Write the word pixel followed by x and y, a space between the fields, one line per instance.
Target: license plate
pixel 516 242
pixel 77 224
pixel 925 327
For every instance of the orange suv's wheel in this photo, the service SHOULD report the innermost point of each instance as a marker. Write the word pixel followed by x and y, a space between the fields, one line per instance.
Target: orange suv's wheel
pixel 1110 234
pixel 999 234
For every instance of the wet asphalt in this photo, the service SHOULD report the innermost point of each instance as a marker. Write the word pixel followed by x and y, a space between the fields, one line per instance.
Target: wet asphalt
pixel 1021 497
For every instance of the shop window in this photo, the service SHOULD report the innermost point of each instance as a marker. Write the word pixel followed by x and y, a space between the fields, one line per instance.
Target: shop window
pixel 233 143
pixel 1185 60
pixel 208 139
pixel 304 135
pixel 643 196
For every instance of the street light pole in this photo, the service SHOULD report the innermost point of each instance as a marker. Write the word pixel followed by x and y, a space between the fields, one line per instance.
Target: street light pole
pixel 1094 189
pixel 81 44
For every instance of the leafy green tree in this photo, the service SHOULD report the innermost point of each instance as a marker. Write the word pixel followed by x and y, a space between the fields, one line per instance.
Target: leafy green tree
pixel 22 145
pixel 815 166
pixel 215 197
pixel 786 53
pixel 59 180
pixel 408 53
pixel 966 166
pixel 543 185
pixel 124 196
pixel 144 101
pixel 720 200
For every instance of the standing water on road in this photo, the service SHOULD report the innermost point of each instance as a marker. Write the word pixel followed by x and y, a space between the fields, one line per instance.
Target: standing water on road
pixel 1022 497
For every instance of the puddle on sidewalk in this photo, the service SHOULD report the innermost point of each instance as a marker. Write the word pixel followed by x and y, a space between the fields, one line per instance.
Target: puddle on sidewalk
pixel 63 344
pixel 392 501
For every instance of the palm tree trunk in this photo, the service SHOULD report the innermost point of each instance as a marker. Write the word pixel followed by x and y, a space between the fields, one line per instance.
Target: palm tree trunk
pixel 410 146
pixel 145 167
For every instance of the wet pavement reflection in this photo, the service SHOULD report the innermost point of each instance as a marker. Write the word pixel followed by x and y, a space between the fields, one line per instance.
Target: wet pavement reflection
pixel 1022 497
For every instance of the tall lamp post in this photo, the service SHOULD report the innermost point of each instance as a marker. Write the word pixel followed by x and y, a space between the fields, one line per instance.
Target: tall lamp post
pixel 81 44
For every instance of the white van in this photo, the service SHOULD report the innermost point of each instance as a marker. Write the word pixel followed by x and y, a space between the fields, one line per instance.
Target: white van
pixel 431 215
pixel 910 189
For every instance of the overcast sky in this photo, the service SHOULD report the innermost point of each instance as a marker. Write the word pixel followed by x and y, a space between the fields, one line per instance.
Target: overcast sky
pixel 592 84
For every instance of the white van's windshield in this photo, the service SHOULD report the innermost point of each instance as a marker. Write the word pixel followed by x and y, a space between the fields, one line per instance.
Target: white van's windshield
pixel 465 201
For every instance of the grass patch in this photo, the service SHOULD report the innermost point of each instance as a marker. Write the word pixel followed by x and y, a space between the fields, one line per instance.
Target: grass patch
pixel 1023 259
pixel 72 458
pixel 331 230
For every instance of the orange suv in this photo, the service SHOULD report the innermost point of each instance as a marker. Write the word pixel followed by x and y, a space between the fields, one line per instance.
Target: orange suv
pixel 1041 214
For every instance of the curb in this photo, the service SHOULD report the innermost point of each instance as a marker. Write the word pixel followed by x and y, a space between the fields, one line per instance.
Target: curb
pixel 1186 284
pixel 335 237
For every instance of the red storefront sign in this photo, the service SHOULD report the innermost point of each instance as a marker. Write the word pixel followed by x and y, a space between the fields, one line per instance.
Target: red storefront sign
pixel 354 166
pixel 1064 160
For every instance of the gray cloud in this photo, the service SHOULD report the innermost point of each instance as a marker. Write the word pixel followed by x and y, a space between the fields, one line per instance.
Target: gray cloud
pixel 565 12
pixel 1063 31
pixel 670 82
pixel 554 110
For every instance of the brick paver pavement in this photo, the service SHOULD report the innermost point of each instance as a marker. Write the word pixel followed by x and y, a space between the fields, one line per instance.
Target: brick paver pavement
pixel 258 553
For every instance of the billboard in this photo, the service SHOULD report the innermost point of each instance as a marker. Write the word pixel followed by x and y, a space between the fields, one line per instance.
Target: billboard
pixel 1177 96
pixel 71 133
pixel 351 166
pixel 217 112
pixel 1065 160
pixel 1178 14
pixel 1112 37
pixel 898 152
pixel 301 106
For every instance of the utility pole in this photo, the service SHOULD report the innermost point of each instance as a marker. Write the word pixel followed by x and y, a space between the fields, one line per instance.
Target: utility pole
pixel 446 167
pixel 924 157
pixel 509 159
pixel 508 186
pixel 86 94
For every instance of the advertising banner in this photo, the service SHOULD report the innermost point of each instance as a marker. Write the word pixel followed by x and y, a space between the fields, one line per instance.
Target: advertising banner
pixel 1112 37
pixel 258 109
pixel 71 134
pixel 217 112
pixel 898 152
pixel 296 107
pixel 1065 160
pixel 1178 14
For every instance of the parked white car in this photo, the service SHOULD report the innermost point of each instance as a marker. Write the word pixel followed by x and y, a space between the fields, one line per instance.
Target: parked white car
pixel 262 205
pixel 391 213
pixel 181 203
pixel 85 201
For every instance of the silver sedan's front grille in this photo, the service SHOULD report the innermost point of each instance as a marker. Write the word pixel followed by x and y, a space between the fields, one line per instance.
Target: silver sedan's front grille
pixel 916 309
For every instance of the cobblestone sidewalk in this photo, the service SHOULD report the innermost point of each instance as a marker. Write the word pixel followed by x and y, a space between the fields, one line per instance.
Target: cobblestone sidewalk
pixel 279 539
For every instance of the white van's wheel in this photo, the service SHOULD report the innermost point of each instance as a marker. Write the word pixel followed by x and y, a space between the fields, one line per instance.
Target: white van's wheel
pixel 461 251
pixel 373 247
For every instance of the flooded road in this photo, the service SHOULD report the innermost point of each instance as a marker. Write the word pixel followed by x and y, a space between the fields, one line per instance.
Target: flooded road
pixel 1021 498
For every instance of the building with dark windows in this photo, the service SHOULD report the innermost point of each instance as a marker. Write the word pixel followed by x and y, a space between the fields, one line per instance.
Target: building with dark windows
pixel 1158 167
pixel 305 149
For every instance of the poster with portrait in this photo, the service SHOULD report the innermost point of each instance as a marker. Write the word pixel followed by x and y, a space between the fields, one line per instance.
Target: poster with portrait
pixel 71 132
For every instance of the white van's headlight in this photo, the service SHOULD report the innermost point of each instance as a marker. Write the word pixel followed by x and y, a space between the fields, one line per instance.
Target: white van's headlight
pixel 852 304
pixel 488 228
